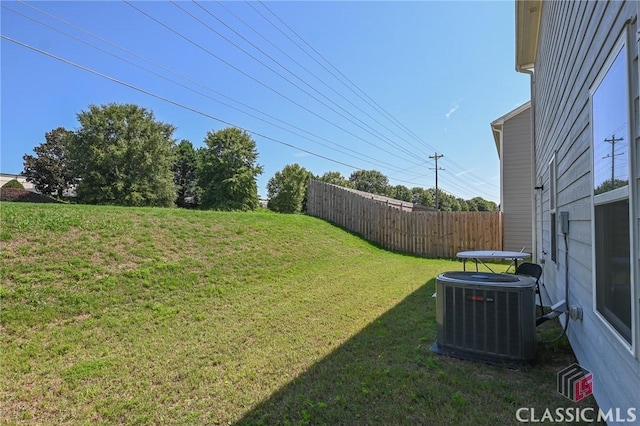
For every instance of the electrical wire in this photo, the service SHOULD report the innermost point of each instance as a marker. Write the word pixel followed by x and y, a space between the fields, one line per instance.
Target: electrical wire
pixel 339 148
pixel 450 181
pixel 327 85
pixel 261 83
pixel 175 103
pixel 354 154
pixel 368 128
pixel 162 98
pixel 358 92
pixel 340 127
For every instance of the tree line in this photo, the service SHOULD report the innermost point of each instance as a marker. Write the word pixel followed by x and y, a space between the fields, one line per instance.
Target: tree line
pixel 376 182
pixel 122 155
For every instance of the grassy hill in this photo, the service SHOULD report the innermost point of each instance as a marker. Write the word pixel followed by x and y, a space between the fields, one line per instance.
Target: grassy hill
pixel 164 316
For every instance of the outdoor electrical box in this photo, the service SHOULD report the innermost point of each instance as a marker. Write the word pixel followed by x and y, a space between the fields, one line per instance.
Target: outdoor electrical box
pixel 564 222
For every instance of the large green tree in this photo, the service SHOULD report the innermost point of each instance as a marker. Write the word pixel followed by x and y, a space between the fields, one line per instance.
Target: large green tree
pixel 49 169
pixel 400 192
pixel 421 196
pixel 610 185
pixel 123 156
pixel 228 171
pixel 335 178
pixel 464 205
pixel 371 181
pixel 485 205
pixel 287 189
pixel 446 202
pixel 185 174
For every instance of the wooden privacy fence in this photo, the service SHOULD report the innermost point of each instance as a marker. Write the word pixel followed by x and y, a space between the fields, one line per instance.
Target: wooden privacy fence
pixel 424 233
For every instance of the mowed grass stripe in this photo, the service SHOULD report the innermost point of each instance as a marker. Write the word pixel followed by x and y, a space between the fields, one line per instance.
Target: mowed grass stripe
pixel 152 316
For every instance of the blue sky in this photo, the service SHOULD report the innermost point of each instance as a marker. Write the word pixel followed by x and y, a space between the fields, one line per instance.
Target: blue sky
pixel 332 86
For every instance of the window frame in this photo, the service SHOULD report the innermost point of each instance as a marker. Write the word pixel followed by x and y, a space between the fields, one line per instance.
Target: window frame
pixel 618 194
pixel 553 218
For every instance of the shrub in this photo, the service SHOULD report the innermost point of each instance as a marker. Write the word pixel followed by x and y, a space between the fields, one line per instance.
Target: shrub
pixel 13 183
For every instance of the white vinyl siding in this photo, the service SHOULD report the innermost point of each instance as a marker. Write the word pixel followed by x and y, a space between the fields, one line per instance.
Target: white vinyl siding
pixel 576 39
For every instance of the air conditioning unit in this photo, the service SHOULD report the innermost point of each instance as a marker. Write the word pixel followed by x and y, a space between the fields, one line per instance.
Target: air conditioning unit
pixel 486 317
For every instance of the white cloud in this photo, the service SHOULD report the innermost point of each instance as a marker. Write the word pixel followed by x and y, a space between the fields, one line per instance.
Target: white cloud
pixel 452 110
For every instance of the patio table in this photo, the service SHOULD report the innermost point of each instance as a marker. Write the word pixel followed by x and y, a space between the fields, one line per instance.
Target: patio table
pixel 479 255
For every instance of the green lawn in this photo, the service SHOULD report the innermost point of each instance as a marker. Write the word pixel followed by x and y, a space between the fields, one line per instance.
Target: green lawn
pixel 164 316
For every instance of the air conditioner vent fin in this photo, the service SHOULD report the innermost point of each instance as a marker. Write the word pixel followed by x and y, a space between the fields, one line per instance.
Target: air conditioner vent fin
pixel 488 317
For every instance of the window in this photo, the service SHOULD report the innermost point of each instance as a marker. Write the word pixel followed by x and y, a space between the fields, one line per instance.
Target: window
pixel 613 277
pixel 552 209
pixel 612 253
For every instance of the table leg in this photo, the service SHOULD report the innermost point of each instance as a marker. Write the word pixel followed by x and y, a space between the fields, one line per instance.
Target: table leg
pixel 486 266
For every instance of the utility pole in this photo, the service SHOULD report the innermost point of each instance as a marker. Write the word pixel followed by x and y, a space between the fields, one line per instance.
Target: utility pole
pixel 613 142
pixel 435 157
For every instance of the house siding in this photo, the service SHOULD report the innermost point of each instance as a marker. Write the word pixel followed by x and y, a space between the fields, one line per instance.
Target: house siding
pixel 517 188
pixel 576 38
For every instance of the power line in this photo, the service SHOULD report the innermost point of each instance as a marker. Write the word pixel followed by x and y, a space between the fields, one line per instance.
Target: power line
pixel 358 155
pixel 358 92
pixel 368 128
pixel 390 167
pixel 375 161
pixel 227 105
pixel 471 174
pixel 343 129
pixel 254 79
pixel 327 85
pixel 162 98
pixel 178 104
